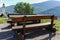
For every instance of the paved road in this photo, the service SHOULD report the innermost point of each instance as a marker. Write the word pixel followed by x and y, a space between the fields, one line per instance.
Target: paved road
pixel 7 34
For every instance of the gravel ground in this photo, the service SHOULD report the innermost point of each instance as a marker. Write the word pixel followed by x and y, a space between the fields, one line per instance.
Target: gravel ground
pixel 7 34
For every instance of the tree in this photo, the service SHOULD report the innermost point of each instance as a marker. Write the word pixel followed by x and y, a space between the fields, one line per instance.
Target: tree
pixel 24 8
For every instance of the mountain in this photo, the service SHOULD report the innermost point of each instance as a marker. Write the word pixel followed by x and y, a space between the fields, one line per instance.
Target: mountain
pixel 38 7
pixel 8 8
pixel 53 11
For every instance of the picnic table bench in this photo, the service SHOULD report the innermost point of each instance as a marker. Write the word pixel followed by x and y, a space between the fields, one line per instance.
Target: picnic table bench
pixel 24 27
pixel 33 17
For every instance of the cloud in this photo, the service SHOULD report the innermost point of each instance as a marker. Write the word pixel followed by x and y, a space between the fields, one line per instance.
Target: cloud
pixel 13 2
pixel 1 4
pixel 34 1
pixel 54 0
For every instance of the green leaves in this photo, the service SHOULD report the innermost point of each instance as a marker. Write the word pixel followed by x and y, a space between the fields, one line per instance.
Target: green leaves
pixel 24 8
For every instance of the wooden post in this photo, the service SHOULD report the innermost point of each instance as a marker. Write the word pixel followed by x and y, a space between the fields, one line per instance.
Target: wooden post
pixel 21 36
pixel 24 24
pixel 52 24
pixel 52 21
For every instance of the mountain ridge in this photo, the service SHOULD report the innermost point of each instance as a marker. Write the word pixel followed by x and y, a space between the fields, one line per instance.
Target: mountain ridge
pixel 40 7
pixel 53 11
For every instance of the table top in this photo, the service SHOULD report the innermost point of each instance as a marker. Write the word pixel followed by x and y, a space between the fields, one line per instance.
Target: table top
pixel 13 16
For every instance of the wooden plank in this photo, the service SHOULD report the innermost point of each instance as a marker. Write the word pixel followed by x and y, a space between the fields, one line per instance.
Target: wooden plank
pixel 32 25
pixel 21 19
pixel 39 17
pixel 18 19
pixel 31 28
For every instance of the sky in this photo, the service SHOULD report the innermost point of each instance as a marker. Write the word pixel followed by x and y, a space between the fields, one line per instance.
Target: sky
pixel 13 2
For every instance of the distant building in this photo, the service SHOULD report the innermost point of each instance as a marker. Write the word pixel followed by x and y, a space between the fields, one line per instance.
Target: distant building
pixel 3 10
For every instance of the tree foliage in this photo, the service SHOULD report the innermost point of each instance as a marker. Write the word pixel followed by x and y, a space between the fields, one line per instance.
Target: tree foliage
pixel 24 8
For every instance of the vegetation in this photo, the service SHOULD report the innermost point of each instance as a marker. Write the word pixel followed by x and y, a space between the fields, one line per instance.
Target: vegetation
pixel 57 25
pixel 3 20
pixel 24 8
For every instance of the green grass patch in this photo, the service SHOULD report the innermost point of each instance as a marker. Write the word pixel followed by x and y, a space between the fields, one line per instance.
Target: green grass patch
pixel 3 20
pixel 57 24
pixel 45 20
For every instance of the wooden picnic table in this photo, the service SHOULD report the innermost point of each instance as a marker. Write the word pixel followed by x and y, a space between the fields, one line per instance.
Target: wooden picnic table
pixel 24 26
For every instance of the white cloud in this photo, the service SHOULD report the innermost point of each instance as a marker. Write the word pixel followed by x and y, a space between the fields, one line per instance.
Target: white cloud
pixel 40 1
pixel 1 4
pixel 54 0
pixel 29 1
pixel 35 1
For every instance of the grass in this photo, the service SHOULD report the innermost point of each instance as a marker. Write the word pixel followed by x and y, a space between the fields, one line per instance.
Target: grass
pixel 45 20
pixel 57 25
pixel 3 20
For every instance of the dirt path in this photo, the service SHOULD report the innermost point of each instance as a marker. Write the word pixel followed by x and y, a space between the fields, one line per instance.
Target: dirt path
pixel 33 35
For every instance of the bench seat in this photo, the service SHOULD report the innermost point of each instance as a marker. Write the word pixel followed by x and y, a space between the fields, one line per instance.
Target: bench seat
pixel 32 25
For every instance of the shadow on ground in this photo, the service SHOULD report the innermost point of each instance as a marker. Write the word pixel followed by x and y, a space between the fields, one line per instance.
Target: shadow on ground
pixel 8 27
pixel 30 34
pixel 7 36
pixel 39 32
